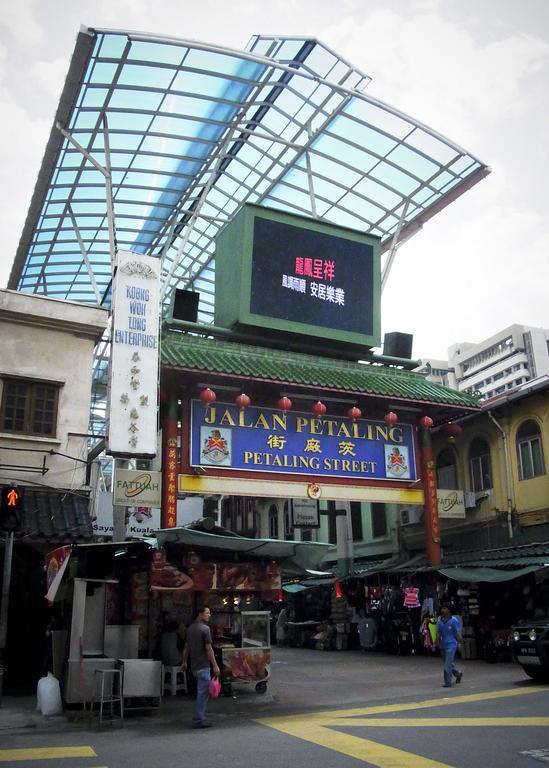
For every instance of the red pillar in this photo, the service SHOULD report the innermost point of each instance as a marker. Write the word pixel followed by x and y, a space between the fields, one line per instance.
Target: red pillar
pixel 184 435
pixel 169 463
pixel 428 474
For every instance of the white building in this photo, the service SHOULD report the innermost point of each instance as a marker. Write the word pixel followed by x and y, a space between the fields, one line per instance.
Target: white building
pixel 46 357
pixel 496 365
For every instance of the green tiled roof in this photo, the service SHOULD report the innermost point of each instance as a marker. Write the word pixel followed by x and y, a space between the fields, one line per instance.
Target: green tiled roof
pixel 194 353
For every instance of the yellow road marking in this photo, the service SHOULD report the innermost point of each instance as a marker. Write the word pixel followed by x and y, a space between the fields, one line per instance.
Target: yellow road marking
pixel 444 722
pixel 318 727
pixel 383 708
pixel 45 753
pixel 362 749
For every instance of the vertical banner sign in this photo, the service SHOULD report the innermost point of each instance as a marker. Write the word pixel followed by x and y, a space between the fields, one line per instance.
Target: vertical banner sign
pixel 171 483
pixel 133 376
pixel 431 499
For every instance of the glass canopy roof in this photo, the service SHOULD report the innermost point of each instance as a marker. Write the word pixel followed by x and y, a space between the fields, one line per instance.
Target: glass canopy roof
pixel 186 133
pixel 158 142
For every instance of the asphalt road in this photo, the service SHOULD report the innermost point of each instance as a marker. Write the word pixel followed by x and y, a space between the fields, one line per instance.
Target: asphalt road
pixel 321 710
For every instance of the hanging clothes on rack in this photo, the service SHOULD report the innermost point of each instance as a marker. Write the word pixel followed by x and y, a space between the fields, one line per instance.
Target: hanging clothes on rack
pixel 411 597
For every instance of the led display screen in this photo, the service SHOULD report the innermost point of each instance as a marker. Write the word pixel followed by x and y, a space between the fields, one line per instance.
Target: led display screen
pixel 298 273
pixel 282 272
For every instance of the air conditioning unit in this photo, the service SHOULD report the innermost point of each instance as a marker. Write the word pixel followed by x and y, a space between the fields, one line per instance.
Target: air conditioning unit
pixel 469 500
pixel 411 516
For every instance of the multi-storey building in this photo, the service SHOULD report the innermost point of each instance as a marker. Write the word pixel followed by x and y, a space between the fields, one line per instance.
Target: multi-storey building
pixel 515 355
pixel 46 357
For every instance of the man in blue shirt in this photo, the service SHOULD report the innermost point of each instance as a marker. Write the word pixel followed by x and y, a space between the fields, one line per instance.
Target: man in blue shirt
pixel 448 639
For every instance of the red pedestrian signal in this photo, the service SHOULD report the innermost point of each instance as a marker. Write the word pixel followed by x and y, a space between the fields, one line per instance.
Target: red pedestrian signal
pixel 11 506
pixel 13 498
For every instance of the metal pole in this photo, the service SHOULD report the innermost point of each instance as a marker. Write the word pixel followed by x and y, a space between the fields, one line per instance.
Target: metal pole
pixel 119 513
pixel 6 583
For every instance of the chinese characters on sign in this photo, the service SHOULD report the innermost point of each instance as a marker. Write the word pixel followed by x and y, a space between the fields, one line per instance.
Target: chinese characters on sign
pixel 171 480
pixel 268 440
pixel 326 281
pixel 132 405
pixel 322 269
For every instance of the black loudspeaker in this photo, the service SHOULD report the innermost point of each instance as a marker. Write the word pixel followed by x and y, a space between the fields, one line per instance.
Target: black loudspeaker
pixel 398 345
pixel 185 305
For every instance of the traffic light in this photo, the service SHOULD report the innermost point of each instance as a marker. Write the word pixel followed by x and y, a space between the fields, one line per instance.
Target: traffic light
pixel 11 508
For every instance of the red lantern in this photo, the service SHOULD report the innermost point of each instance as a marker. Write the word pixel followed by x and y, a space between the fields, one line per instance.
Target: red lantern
pixel 450 430
pixel 426 422
pixel 243 401
pixel 208 396
pixel 338 590
pixel 390 419
pixel 284 404
pixel 319 409
pixel 354 413
pixel 280 596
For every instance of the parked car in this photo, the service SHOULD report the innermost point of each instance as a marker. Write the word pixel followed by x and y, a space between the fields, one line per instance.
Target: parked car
pixel 530 647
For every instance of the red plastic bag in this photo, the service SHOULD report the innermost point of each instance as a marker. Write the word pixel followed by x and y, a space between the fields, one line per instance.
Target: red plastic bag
pixel 214 688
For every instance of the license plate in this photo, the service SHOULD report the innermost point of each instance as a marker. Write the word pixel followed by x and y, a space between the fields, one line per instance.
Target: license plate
pixel 528 660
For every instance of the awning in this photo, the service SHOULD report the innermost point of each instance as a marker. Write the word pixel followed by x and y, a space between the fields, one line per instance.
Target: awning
pixel 56 515
pixel 488 575
pixel 300 554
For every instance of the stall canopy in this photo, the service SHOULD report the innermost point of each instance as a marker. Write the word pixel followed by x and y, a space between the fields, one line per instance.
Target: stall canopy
pixel 294 556
pixel 491 575
pixel 487 565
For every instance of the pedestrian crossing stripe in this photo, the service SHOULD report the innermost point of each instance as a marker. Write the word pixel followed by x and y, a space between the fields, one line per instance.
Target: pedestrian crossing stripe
pixel 318 728
pixel 44 753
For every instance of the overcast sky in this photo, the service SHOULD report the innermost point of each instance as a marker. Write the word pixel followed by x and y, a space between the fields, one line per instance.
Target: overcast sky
pixel 477 71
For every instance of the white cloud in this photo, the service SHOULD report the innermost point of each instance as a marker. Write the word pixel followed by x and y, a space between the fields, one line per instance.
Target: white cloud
pixel 20 21
pixel 48 77
pixel 436 71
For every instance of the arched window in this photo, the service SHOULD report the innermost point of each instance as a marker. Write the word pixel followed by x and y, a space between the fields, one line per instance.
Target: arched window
pixel 480 465
pixel 529 450
pixel 273 522
pixel 446 470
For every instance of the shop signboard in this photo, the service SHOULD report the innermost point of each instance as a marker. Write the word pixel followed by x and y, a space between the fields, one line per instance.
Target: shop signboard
pixel 142 521
pixel 242 577
pixel 293 442
pixel 305 513
pixel 133 369
pixel 289 273
pixel 133 487
pixel 451 504
pixel 204 576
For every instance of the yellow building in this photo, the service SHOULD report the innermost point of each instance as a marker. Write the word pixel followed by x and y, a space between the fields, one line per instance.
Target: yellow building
pixel 497 465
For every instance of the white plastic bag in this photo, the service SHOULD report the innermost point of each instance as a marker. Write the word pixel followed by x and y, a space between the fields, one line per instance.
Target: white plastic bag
pixel 48 696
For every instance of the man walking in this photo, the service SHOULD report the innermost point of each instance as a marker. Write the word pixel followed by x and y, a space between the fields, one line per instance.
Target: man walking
pixel 199 648
pixel 448 639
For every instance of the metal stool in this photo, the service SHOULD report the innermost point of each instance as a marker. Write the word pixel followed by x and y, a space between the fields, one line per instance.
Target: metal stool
pixel 108 684
pixel 175 679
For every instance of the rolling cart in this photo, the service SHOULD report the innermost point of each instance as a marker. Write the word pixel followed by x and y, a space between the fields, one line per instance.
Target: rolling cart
pixel 249 663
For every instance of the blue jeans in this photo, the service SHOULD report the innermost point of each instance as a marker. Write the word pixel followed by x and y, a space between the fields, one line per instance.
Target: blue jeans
pixel 203 678
pixel 450 668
